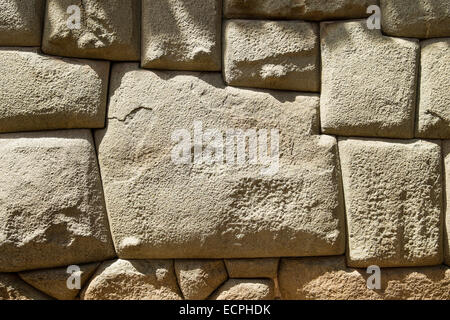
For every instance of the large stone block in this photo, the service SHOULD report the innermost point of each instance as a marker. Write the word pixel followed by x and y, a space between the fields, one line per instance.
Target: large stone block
pixel 297 9
pixel 446 156
pixel 21 22
pixel 393 198
pixel 109 29
pixel 289 206
pixel 368 81
pixel 52 210
pixel 133 280
pixel 245 289
pixel 42 93
pixel 328 278
pixel 434 111
pixel 416 18
pixel 14 288
pixel 252 268
pixel 182 34
pixel 272 54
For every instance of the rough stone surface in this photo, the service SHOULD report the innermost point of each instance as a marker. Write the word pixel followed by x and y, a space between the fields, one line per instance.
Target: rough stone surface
pixel 393 200
pixel 368 81
pixel 109 29
pixel 416 18
pixel 181 34
pixel 21 22
pixel 297 9
pixel 42 93
pixel 434 111
pixel 327 278
pixel 51 202
pixel 159 209
pixel 252 268
pixel 245 289
pixel 199 278
pixel 54 281
pixel 133 280
pixel 446 156
pixel 272 54
pixel 14 288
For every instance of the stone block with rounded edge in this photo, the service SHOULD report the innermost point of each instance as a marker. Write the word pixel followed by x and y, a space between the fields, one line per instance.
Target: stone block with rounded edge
pixel 434 111
pixel 314 10
pixel 21 22
pixel 252 268
pixel 199 278
pixel 272 54
pixel 44 93
pixel 446 156
pixel 245 289
pixel 182 34
pixel 109 29
pixel 14 288
pixel 368 81
pixel 133 280
pixel 161 208
pixel 416 18
pixel 393 199
pixel 52 210
pixel 328 278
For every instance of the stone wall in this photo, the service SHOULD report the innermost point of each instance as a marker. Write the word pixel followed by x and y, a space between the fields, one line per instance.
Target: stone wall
pixel 95 111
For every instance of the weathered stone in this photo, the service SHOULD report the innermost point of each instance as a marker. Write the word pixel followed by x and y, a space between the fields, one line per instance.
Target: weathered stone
pixel 327 278
pixel 14 288
pixel 434 111
pixel 199 278
pixel 21 22
pixel 393 199
pixel 252 268
pixel 133 280
pixel 446 156
pixel 51 204
pixel 416 18
pixel 272 54
pixel 182 34
pixel 160 209
pixel 297 9
pixel 368 81
pixel 54 281
pixel 245 289
pixel 109 29
pixel 42 93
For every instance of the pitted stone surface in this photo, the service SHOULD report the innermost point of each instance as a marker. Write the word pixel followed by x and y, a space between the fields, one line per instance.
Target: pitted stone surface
pixel 21 22
pixel 42 93
pixel 416 18
pixel 252 268
pixel 434 109
pixel 159 209
pixel 245 289
pixel 181 34
pixel 393 200
pixel 272 54
pixel 109 29
pixel 297 9
pixel 14 288
pixel 368 81
pixel 133 280
pixel 51 202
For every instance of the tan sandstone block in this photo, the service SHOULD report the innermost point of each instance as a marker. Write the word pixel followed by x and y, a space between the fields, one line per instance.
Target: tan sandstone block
pixel 161 210
pixel 42 93
pixel 297 9
pixel 21 22
pixel 446 156
pixel 416 18
pixel 181 34
pixel 54 281
pixel 393 199
pixel 434 110
pixel 245 289
pixel 272 54
pixel 199 278
pixel 252 268
pixel 133 280
pixel 109 29
pixel 14 288
pixel 327 278
pixel 51 204
pixel 368 81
